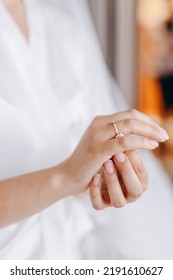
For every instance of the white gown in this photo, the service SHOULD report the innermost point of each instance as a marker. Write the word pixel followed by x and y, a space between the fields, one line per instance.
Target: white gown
pixel 50 89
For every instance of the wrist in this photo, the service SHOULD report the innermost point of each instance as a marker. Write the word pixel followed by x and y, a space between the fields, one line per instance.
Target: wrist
pixel 61 182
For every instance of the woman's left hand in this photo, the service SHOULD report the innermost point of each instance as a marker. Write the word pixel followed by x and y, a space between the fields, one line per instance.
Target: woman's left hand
pixel 121 180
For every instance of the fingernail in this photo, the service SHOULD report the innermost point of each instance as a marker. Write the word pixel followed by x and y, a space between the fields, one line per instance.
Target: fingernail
pixel 96 180
pixel 164 134
pixel 109 167
pixel 120 157
pixel 154 144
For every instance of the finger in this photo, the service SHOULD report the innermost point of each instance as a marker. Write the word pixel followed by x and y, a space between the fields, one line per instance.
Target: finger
pixel 126 143
pixel 138 127
pixel 139 168
pixel 95 193
pixel 131 114
pixel 128 114
pixel 134 126
pixel 129 177
pixel 116 194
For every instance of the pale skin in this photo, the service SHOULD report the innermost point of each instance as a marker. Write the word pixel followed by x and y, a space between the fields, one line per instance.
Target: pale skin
pixel 122 179
pixel 26 195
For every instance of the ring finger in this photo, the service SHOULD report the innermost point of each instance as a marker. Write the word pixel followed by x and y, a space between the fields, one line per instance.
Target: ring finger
pixel 132 126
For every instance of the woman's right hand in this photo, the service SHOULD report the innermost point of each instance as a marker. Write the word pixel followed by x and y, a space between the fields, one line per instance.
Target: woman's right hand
pixel 122 180
pixel 99 144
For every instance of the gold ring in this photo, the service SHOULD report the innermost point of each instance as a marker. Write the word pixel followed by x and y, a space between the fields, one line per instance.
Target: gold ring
pixel 115 129
pixel 117 134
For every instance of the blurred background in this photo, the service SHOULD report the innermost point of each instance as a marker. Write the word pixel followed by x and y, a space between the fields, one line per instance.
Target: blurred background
pixel 136 37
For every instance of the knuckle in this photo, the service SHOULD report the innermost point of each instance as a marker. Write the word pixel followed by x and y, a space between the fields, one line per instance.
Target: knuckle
pixel 139 169
pixel 97 206
pixel 127 122
pixel 135 194
pixel 133 112
pixel 125 167
pixel 97 119
pixel 130 124
pixel 122 142
pixel 133 124
pixel 118 203
pixel 143 142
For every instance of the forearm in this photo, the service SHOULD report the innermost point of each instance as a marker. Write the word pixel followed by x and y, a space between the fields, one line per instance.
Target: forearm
pixel 28 194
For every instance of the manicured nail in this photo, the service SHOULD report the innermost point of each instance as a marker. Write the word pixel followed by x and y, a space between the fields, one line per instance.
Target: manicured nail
pixel 154 144
pixel 120 157
pixel 164 134
pixel 109 167
pixel 96 180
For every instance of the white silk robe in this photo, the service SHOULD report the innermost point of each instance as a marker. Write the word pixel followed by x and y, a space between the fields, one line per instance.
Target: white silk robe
pixel 50 89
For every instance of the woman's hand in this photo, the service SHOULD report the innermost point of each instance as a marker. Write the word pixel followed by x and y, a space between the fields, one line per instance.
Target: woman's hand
pixel 25 195
pixel 122 180
pixel 98 145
